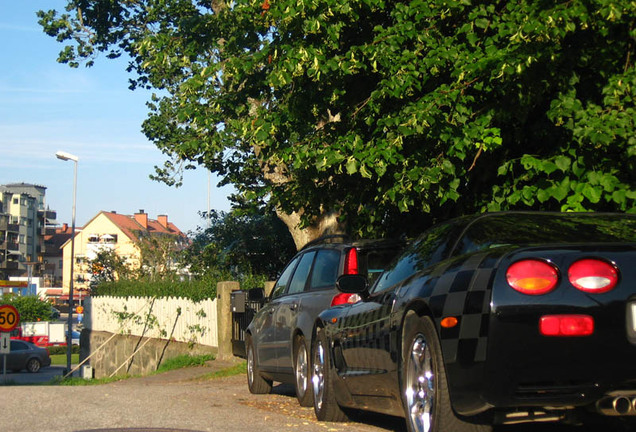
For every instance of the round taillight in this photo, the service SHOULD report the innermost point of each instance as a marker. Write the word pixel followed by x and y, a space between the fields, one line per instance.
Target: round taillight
pixel 532 277
pixel 593 275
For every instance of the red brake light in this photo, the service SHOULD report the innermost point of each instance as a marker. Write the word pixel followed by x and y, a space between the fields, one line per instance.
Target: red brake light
pixel 351 262
pixel 566 325
pixel 532 277
pixel 344 298
pixel 593 275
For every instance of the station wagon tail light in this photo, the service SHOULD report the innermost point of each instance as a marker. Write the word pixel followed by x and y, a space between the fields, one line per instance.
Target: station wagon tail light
pixel 351 262
pixel 593 276
pixel 344 298
pixel 566 325
pixel 532 276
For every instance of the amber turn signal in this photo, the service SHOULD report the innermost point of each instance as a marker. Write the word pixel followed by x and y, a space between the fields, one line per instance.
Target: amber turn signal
pixel 449 322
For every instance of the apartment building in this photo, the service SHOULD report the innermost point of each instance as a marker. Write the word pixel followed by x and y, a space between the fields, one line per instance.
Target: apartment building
pixel 23 221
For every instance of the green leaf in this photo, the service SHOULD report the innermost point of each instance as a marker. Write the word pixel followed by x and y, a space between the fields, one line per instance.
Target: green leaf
pixel 352 166
pixel 592 193
pixel 563 163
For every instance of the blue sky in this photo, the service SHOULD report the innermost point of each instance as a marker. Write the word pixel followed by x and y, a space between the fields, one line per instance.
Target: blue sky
pixel 89 112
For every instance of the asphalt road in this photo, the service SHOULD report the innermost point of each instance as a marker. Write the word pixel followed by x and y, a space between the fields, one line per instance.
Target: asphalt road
pixel 45 375
pixel 179 401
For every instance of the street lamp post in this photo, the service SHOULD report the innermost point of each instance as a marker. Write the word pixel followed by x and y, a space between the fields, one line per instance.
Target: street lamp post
pixel 69 334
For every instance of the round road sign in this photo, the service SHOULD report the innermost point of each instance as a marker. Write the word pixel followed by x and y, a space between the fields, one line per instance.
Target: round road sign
pixel 9 318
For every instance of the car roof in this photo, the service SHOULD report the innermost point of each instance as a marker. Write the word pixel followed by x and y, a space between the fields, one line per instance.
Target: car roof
pixel 336 240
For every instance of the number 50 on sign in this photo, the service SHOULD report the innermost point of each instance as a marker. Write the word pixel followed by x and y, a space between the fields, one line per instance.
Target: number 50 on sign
pixel 9 317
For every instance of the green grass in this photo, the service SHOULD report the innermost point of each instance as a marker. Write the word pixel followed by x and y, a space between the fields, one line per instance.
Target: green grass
pixel 60 359
pixel 77 381
pixel 171 364
pixel 239 369
pixel 183 361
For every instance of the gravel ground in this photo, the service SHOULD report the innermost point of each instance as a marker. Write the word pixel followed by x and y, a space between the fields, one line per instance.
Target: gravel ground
pixel 176 400
pixel 182 400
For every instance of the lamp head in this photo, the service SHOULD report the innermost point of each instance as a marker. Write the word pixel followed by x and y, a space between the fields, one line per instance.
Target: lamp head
pixel 66 156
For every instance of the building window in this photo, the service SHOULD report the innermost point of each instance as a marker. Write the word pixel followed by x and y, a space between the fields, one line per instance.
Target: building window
pixel 109 238
pixel 22 239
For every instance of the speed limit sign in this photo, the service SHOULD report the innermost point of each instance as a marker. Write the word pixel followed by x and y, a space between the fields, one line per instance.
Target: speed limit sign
pixel 9 318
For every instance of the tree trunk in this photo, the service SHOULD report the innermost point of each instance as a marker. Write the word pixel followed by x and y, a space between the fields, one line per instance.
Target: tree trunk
pixel 325 224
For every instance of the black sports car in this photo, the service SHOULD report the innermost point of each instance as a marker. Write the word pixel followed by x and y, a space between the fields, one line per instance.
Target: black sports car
pixel 489 319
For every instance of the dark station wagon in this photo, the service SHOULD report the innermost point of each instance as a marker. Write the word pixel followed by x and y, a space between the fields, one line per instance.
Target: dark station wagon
pixel 280 335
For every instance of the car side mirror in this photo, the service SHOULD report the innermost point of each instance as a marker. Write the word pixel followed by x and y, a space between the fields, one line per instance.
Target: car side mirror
pixel 353 284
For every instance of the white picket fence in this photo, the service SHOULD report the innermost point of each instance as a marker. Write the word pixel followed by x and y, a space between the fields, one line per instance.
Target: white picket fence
pixel 171 318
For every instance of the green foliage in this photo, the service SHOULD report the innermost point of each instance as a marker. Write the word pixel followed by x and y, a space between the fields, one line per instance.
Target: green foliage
pixel 159 254
pixel 30 308
pixel 244 243
pixel 196 290
pixel 61 350
pixel 389 112
pixel 108 266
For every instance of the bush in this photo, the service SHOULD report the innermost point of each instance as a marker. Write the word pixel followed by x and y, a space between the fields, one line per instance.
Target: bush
pixel 58 350
pixel 30 308
pixel 196 290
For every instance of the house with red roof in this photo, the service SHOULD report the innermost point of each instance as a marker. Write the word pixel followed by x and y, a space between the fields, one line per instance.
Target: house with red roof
pixel 123 234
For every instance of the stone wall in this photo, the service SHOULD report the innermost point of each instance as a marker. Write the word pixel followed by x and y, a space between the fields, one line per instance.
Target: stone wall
pixel 121 355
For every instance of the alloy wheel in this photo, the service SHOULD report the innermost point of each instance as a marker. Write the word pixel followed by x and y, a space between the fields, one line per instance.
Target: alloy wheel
pixel 302 369
pixel 420 385
pixel 318 377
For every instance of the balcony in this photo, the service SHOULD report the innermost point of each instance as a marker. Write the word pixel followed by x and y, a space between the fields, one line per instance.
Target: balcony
pixel 13 246
pixel 9 265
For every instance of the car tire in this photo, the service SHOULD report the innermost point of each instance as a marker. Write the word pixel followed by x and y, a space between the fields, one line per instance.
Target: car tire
pixel 326 407
pixel 255 382
pixel 424 388
pixel 304 391
pixel 33 365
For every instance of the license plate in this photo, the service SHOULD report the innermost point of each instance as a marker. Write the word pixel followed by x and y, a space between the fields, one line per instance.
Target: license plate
pixel 631 322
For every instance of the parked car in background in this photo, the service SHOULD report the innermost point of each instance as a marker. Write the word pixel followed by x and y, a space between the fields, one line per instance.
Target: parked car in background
pixel 25 355
pixel 495 318
pixel 280 335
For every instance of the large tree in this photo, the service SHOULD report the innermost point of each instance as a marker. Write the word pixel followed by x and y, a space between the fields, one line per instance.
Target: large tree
pixel 382 116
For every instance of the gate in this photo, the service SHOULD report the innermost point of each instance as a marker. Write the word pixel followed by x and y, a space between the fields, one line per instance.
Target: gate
pixel 244 305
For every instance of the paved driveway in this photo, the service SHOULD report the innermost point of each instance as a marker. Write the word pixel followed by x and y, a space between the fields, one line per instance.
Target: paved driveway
pixel 179 400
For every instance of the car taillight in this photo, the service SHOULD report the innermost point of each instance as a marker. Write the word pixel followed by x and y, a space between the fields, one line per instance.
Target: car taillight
pixel 593 276
pixel 344 298
pixel 351 262
pixel 533 277
pixel 566 325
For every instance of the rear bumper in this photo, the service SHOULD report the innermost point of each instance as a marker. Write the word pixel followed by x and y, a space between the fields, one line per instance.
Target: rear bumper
pixel 525 368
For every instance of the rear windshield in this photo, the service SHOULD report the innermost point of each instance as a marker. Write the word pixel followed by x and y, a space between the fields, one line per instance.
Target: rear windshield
pixel 546 228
